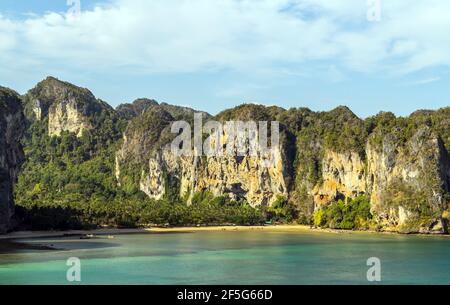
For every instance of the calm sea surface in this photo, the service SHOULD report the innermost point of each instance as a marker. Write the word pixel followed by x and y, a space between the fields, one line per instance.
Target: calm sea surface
pixel 260 257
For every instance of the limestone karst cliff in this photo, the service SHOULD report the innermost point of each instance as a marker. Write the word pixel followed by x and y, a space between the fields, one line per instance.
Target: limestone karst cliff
pixel 63 106
pixel 401 165
pixel 343 175
pixel 84 160
pixel 11 155
pixel 237 177
pixel 408 181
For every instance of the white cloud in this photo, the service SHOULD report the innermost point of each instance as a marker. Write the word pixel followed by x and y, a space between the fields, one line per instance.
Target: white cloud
pixel 7 37
pixel 188 36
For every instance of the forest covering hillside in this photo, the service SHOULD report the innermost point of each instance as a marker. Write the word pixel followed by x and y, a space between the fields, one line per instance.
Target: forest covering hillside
pixel 87 164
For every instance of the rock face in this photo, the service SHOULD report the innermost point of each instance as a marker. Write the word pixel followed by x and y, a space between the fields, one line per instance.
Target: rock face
pixel 66 116
pixel 407 183
pixel 404 171
pixel 64 106
pixel 11 155
pixel 229 175
pixel 343 176
pixel 238 178
pixel 401 165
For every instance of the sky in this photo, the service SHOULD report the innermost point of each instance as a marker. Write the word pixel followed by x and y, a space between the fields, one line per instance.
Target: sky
pixel 370 55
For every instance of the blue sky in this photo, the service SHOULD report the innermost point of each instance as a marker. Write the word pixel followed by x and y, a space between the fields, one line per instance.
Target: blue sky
pixel 213 55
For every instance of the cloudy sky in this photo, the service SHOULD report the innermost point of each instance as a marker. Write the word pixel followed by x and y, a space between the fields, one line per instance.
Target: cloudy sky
pixel 216 54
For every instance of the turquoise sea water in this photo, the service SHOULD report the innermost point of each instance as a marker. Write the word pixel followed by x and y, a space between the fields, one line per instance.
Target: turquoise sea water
pixel 259 257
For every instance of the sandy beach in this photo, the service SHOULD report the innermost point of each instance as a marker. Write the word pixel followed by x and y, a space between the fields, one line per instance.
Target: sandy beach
pixel 161 230
pixel 116 231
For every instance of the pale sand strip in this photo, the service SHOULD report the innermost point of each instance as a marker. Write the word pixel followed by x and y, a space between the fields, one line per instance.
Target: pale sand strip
pixel 115 231
pixel 232 228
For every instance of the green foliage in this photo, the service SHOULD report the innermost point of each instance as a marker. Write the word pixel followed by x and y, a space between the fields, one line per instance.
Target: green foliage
pixel 417 203
pixel 399 194
pixel 438 121
pixel 320 218
pixel 68 182
pixel 415 224
pixel 281 211
pixel 350 214
pixel 338 130
pixel 403 128
pixel 62 173
pixel 73 212
pixel 250 112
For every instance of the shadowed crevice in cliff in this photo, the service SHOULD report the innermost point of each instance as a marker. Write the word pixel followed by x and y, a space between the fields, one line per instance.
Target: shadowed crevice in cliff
pixel 11 154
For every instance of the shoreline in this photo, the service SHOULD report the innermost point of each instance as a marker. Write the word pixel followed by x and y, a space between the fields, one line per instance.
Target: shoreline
pixel 117 231
pixel 159 230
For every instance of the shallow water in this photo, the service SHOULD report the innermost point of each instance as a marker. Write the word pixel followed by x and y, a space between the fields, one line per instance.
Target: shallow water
pixel 253 257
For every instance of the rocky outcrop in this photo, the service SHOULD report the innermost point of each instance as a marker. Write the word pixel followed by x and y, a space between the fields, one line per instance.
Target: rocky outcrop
pixel 11 155
pixel 66 116
pixel 235 177
pixel 244 178
pixel 228 175
pixel 138 107
pixel 407 182
pixel 401 165
pixel 343 176
pixel 132 110
pixel 63 106
pixel 403 170
pixel 152 181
